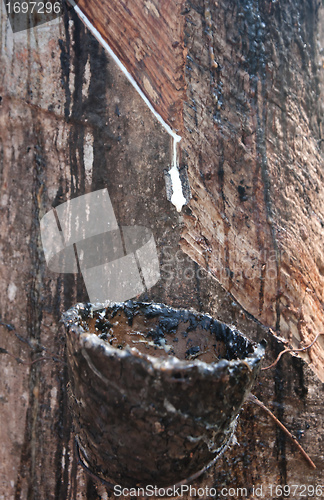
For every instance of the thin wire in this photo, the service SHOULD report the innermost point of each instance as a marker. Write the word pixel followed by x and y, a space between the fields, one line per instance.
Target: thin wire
pixel 109 486
pixel 255 400
pixel 288 349
pixel 51 356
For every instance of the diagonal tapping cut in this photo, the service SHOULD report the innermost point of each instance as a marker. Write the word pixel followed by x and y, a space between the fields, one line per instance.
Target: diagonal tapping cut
pixel 178 197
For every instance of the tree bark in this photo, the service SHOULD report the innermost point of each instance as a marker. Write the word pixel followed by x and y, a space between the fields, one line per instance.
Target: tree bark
pixel 251 146
pixel 250 78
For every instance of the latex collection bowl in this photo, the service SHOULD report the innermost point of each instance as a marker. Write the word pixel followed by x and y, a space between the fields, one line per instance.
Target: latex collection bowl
pixel 154 391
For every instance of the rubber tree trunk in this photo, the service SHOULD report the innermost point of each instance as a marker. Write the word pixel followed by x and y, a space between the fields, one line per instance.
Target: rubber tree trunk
pixel 244 89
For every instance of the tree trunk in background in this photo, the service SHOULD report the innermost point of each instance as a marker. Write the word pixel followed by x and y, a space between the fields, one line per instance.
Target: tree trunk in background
pixel 252 128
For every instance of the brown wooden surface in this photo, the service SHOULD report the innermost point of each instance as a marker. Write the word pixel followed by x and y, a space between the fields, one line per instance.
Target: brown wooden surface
pixel 147 37
pixel 62 96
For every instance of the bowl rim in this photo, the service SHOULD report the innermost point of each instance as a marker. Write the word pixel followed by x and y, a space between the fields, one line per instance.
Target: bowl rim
pixel 90 341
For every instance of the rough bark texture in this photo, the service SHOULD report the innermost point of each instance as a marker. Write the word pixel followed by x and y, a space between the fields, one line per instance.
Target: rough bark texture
pixel 147 38
pixel 256 160
pixel 253 148
pixel 71 123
